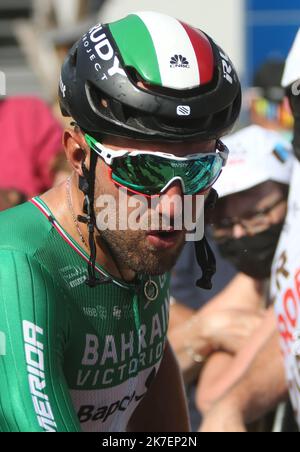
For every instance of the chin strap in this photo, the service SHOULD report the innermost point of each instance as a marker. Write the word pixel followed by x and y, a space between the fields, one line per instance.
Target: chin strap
pixel 87 186
pixel 205 256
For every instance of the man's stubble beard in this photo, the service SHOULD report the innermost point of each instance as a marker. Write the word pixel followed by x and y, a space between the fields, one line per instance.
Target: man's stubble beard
pixel 130 250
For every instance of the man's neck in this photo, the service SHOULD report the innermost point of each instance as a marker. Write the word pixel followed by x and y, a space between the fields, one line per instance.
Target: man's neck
pixel 66 207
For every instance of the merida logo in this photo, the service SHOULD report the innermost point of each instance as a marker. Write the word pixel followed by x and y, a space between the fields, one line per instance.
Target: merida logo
pixel 34 351
pixel 179 61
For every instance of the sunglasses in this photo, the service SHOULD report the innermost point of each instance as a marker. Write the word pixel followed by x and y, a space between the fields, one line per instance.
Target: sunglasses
pixel 151 173
pixel 252 224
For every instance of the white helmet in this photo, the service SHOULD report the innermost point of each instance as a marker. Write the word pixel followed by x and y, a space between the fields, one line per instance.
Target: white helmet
pixel 256 155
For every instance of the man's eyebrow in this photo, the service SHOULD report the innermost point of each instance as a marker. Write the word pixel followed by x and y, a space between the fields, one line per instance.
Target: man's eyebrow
pixel 254 211
pixel 251 212
pixel 246 214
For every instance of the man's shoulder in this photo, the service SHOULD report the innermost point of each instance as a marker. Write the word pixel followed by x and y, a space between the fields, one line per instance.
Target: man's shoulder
pixel 23 228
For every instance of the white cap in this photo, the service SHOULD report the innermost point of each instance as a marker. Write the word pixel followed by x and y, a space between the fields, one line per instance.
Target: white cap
pixel 256 155
pixel 292 66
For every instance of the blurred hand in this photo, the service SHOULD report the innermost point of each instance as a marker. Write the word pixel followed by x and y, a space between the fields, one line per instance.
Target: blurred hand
pixel 225 330
pixel 223 418
pixel 10 198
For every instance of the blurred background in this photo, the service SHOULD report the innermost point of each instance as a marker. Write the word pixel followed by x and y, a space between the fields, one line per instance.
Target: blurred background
pixel 35 34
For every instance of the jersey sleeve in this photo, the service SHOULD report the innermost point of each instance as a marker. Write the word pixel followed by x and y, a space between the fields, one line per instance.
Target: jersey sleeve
pixel 34 396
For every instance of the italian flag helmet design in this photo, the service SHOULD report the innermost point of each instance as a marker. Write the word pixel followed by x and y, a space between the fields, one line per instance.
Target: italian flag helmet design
pixel 150 77
pixel 164 51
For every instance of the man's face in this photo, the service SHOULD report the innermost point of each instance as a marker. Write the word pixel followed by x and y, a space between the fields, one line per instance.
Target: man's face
pixel 154 246
pixel 250 212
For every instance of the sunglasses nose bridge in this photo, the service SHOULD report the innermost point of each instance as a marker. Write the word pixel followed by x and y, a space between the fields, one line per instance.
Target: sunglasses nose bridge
pixel 174 183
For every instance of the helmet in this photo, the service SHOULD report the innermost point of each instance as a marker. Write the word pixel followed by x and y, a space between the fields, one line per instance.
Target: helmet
pixel 248 147
pixel 150 77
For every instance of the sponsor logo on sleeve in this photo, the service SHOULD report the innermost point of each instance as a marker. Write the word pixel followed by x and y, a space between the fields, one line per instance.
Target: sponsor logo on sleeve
pixel 62 87
pixel 34 351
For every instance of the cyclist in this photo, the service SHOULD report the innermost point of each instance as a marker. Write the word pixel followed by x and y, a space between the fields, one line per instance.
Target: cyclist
pixel 84 309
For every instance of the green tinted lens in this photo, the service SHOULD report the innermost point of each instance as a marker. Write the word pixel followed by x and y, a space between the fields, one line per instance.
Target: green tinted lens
pixel 142 173
pixel 201 174
pixel 148 174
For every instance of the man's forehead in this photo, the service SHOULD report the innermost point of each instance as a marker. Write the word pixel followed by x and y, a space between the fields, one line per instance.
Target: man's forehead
pixel 249 201
pixel 160 146
pixel 184 147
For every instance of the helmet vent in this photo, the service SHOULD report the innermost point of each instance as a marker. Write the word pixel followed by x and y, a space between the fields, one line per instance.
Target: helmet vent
pixel 140 83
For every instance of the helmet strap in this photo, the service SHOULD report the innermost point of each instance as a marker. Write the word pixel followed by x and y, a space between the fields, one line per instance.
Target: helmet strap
pixel 204 254
pixel 87 186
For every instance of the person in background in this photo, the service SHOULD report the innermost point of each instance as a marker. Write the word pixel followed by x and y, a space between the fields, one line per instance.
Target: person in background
pixel 264 382
pixel 30 145
pixel 242 293
pixel 10 198
pixel 268 106
pixel 247 224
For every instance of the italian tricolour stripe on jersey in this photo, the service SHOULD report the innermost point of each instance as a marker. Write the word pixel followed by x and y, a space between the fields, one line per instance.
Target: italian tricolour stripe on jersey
pixel 149 41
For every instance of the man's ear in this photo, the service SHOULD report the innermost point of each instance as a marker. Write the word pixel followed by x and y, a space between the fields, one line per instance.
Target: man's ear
pixel 76 149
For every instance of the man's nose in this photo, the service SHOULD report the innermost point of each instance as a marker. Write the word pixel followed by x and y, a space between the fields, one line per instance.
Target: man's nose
pixel 171 202
pixel 175 189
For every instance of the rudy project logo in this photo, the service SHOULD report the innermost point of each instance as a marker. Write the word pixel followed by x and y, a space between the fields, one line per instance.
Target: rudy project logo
pixel 101 53
pixel 179 61
pixel 2 84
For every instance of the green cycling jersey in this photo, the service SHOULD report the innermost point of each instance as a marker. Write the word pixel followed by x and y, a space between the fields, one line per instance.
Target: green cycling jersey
pixel 72 358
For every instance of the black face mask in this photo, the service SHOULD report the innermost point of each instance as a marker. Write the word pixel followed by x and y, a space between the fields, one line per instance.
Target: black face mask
pixel 253 255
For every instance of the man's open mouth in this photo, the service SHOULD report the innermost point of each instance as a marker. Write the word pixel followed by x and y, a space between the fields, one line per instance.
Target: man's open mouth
pixel 164 239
